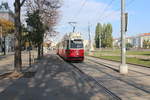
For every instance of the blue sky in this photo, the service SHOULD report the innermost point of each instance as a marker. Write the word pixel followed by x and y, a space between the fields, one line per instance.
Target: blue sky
pixel 94 11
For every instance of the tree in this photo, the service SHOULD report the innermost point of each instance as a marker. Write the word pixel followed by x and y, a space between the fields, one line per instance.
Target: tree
pixel 107 36
pixel 48 12
pixel 98 35
pixel 17 57
pixel 146 44
pixel 128 46
pixel 42 5
pixel 38 30
pixel 6 28
pixel 103 40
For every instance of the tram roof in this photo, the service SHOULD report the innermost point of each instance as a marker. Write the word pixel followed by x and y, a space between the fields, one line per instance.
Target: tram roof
pixel 73 35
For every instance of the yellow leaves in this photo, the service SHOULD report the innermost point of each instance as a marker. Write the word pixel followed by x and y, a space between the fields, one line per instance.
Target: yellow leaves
pixel 6 26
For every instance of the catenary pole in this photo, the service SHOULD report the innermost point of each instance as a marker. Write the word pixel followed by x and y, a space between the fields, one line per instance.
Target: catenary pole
pixel 123 66
pixel 89 36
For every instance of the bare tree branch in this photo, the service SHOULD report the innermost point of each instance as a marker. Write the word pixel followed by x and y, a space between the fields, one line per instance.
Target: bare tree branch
pixel 48 11
pixel 21 4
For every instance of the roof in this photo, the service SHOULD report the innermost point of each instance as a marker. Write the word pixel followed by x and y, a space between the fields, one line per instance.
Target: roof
pixel 140 35
pixel 144 34
pixel 4 8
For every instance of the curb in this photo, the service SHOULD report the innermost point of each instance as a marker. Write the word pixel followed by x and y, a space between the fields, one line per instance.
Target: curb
pixel 3 75
pixel 119 61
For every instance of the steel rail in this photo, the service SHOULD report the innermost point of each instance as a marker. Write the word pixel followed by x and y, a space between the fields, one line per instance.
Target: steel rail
pixel 120 79
pixel 100 84
pixel 109 66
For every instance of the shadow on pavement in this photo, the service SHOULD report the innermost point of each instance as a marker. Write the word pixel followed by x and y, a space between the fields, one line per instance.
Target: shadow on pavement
pixel 52 81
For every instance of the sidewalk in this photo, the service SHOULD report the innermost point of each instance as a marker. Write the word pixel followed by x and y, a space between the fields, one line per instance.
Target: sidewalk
pixel 54 80
pixel 7 61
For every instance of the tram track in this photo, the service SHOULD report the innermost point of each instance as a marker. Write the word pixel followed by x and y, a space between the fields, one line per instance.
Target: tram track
pixel 79 68
pixel 120 79
pixel 115 69
pixel 100 84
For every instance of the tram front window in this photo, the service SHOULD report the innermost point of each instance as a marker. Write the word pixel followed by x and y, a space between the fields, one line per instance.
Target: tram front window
pixel 76 44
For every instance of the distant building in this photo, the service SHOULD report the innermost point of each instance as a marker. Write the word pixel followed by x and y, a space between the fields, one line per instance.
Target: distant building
pixel 135 41
pixel 7 14
pixel 116 42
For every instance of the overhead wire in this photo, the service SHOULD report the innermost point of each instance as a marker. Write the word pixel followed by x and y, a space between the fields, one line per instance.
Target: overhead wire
pixel 105 9
pixel 101 16
pixel 129 3
pixel 83 2
pixel 118 9
pixel 80 9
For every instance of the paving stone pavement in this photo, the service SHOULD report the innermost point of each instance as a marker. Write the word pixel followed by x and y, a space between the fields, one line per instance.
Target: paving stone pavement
pixel 7 61
pixel 54 80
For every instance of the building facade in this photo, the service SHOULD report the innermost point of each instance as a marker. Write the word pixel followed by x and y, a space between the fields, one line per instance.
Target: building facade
pixel 144 37
pixel 135 41
pixel 7 14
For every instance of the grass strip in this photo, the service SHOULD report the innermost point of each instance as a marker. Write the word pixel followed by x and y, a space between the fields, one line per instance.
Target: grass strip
pixel 137 61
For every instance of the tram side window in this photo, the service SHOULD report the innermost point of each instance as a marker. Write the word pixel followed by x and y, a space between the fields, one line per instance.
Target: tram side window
pixel 67 43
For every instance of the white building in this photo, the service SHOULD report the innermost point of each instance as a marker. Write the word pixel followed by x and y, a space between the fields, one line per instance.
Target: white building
pixel 135 41
pixel 143 37
pixel 116 42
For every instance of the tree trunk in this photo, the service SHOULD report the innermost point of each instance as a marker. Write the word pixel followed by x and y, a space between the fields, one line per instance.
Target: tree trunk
pixel 17 47
pixel 42 53
pixel 39 51
pixel 30 54
pixel 4 45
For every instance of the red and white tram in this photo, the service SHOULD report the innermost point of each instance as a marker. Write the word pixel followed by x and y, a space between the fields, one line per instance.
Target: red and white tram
pixel 71 47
